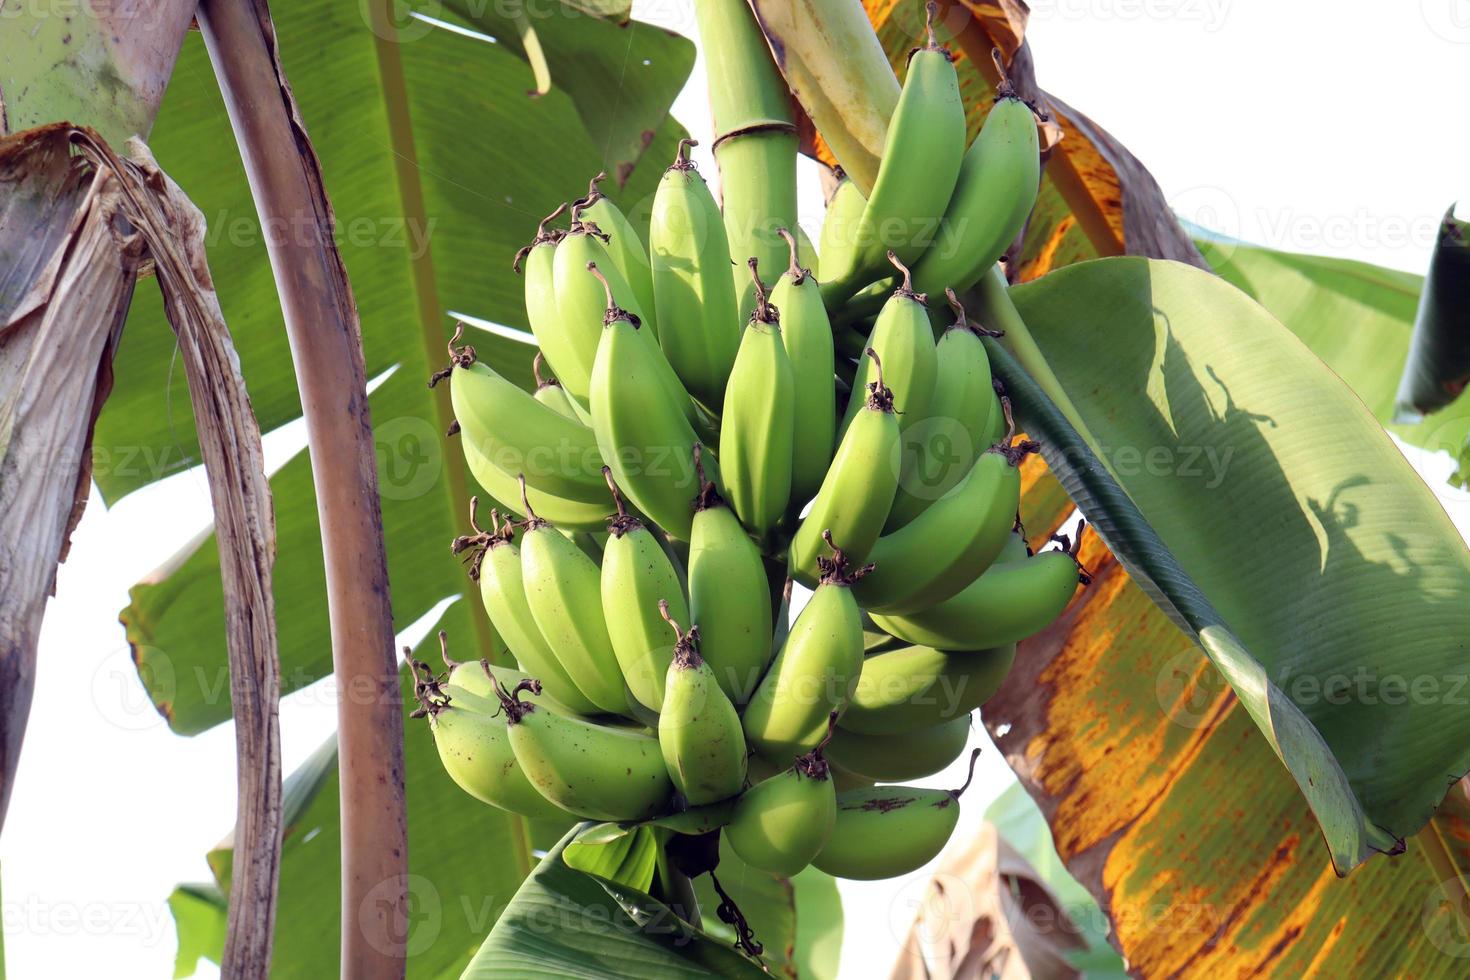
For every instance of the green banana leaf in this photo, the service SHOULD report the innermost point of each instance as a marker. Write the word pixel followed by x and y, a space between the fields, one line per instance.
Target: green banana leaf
pixel 1213 419
pixel 567 923
pixel 628 857
pixel 1357 317
pixel 201 913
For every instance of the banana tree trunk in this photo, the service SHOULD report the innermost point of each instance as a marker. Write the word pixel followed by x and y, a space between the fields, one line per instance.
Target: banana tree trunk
pixel 322 324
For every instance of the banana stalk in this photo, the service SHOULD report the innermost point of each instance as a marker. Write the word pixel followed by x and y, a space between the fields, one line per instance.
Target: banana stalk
pixel 755 138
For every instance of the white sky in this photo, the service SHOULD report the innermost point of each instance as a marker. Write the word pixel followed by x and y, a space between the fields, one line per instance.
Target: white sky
pixel 1310 126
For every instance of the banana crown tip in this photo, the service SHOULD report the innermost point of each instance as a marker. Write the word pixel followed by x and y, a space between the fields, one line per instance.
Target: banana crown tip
pixel 838 570
pixel 813 765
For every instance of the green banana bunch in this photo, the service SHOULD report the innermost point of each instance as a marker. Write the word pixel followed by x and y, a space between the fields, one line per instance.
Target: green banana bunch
pixel 807 334
pixel 729 594
pixel 996 190
pixel 623 246
pixel 899 758
pixel 1008 603
pixel 922 154
pixel 887 831
pixel 858 489
pixel 496 565
pixel 692 285
pixel 550 393
pixel 559 579
pixel 698 729
pixel 938 452
pixel 912 688
pixel 590 770
pixel 637 577
pixel 756 432
pixel 474 747
pixel 519 435
pixel 904 341
pixel 638 421
pixel 781 823
pixel 952 543
pixel 814 675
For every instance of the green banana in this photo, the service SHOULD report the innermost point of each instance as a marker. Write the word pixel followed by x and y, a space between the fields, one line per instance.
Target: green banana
pixel 838 246
pixel 887 831
pixel 1015 548
pixel 564 594
pixel 536 263
pixel 496 565
pixel 636 576
pixel 505 488
pixel 922 154
pixel 996 190
pixel 1008 603
pixel 938 451
pixel 904 340
pixel 590 770
pixel 643 432
pixel 911 688
pixel 814 675
pixel 729 594
pixel 472 684
pixel 807 335
pixel 623 246
pixel 519 435
pixel 858 489
pixel 692 285
pixel 550 393
pixel 900 758
pixel 758 419
pixel 698 729
pixel 781 823
pixel 474 747
pixel 952 543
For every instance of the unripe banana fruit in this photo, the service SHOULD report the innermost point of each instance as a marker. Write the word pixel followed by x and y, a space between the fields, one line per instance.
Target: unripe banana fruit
pixel 623 246
pixel 901 757
pixel 549 392
pixel 781 823
pixel 496 565
pixel 692 284
pixel 922 155
pixel 474 747
pixel 887 831
pixel 758 421
pixel 807 334
pixel 590 770
pixel 636 577
pixel 858 489
pixel 1008 603
pixel 912 688
pixel 558 578
pixel 698 729
pixel 729 595
pixel 904 341
pixel 814 675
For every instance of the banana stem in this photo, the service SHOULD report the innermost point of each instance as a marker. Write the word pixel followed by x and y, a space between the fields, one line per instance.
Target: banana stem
pixel 997 311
